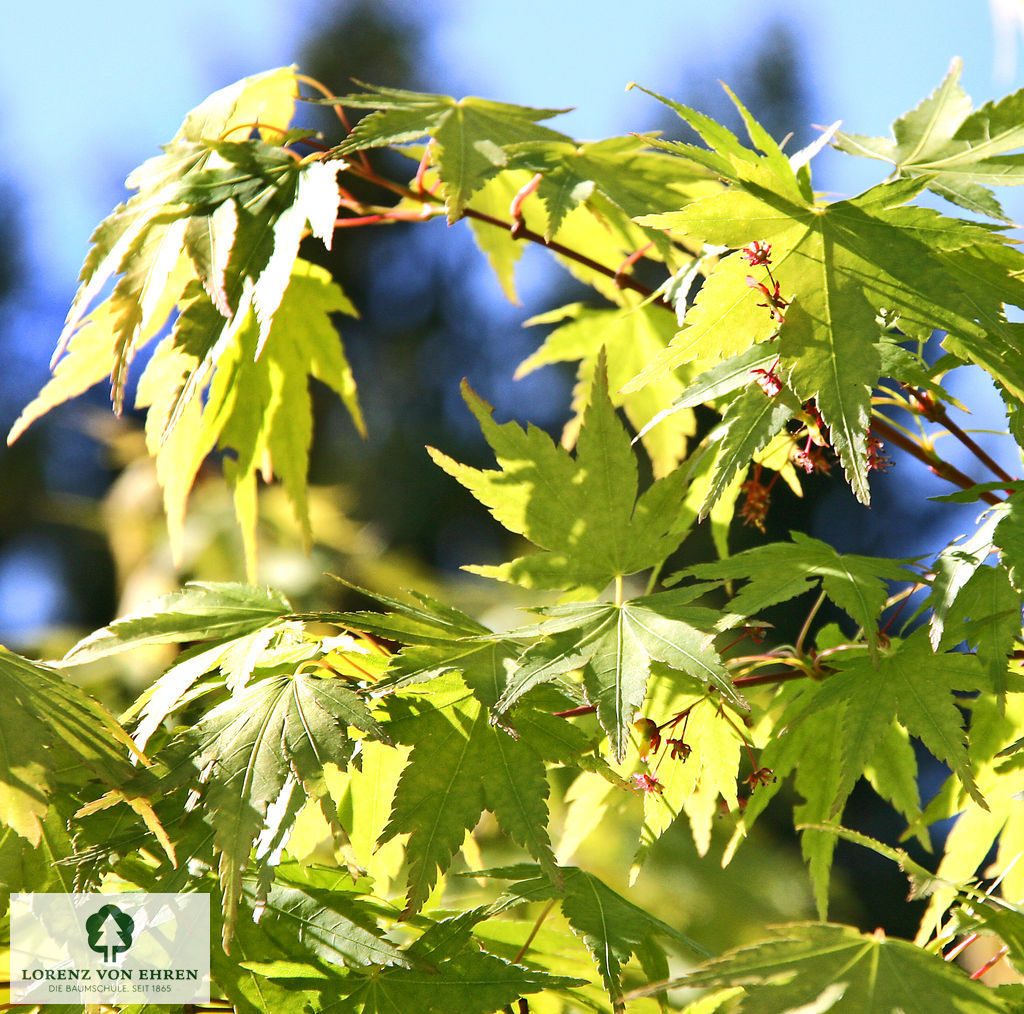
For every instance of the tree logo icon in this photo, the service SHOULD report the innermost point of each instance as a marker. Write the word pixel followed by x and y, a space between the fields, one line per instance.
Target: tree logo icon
pixel 110 932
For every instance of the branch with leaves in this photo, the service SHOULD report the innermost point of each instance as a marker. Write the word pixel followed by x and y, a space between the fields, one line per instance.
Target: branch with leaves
pixel 327 776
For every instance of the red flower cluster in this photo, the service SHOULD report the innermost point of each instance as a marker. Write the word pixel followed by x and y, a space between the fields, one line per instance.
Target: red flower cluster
pixel 812 459
pixel 876 460
pixel 755 507
pixel 647 783
pixel 773 298
pixel 768 380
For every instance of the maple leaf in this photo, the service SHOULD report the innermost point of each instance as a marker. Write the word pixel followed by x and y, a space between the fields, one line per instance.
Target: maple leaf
pixel 457 975
pixel 983 839
pixel 584 511
pixel 614 645
pixel 960 150
pixel 613 929
pixel 824 967
pixel 50 730
pixel 780 571
pixel 469 134
pixel 913 684
pixel 749 424
pixel 821 748
pixel 838 264
pixel 622 169
pixel 630 338
pixel 262 744
pixel 232 210
pixel 201 611
pixel 258 408
pixel 462 764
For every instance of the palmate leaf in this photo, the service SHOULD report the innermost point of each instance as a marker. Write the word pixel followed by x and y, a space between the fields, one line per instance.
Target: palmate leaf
pixel 977 830
pixel 51 733
pixel 257 408
pixel 621 169
pixel 469 134
pixel 780 571
pixel 630 338
pixel 214 231
pixel 462 764
pixel 452 973
pixel 201 611
pixel 828 746
pixel 583 512
pixel 613 929
pixel 614 645
pixel 333 925
pixel 236 208
pixel 263 745
pixel 910 683
pixel 961 151
pixel 825 967
pixel 839 263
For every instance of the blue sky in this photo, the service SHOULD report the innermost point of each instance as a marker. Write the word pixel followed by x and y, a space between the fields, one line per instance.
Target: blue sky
pixel 89 90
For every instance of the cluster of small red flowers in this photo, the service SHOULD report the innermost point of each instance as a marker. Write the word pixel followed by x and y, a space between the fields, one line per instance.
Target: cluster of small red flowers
pixel 755 506
pixel 773 298
pixel 647 783
pixel 678 749
pixel 762 776
pixel 812 459
pixel 768 380
pixel 876 460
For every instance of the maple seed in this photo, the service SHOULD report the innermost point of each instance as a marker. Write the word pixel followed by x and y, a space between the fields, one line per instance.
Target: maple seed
pixel 648 737
pixel 757 253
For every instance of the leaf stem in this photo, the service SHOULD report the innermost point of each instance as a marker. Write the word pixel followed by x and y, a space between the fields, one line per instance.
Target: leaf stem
pixel 805 629
pixel 534 931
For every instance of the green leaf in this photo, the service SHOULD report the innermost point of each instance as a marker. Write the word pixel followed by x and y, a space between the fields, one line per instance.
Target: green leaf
pixel 612 928
pixel 258 408
pixel 838 264
pixel 825 967
pixel 913 684
pixel 1008 538
pixel 331 925
pixel 960 151
pixel 462 978
pixel 469 134
pixel 259 747
pixel 202 611
pixel 780 571
pixel 50 730
pixel 989 611
pixel 954 567
pixel 748 426
pixel 615 645
pixel 634 179
pixel 583 513
pixel 462 764
pixel 630 338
